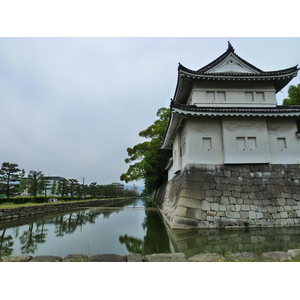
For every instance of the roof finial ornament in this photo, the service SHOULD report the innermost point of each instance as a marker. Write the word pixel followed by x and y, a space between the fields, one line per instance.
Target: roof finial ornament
pixel 230 48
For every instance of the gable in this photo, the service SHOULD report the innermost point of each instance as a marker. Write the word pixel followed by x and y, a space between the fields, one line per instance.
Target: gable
pixel 232 64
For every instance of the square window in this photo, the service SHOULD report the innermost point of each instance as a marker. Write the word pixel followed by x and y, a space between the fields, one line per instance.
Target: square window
pixel 281 143
pixel 249 96
pixel 221 96
pixel 260 96
pixel 206 143
pixel 241 143
pixel 251 143
pixel 210 96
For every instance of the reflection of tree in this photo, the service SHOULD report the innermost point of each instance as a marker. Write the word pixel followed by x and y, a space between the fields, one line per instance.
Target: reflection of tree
pixel 68 223
pixel 28 241
pixel 65 224
pixel 41 233
pixel 156 239
pixel 6 242
pixel 133 245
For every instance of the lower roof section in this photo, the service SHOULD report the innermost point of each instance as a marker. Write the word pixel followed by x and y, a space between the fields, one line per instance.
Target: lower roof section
pixel 276 111
pixel 179 112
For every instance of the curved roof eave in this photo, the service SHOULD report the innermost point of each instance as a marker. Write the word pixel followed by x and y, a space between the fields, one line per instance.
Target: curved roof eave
pixel 280 79
pixel 178 112
pixel 186 76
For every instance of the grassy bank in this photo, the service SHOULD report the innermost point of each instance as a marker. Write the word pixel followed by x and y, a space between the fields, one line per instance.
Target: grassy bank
pixel 12 205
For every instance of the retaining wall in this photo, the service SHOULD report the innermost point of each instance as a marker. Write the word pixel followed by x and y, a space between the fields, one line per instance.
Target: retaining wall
pixel 216 196
pixel 26 211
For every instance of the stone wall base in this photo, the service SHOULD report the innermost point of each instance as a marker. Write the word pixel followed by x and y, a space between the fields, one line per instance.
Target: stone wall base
pixel 42 209
pixel 217 196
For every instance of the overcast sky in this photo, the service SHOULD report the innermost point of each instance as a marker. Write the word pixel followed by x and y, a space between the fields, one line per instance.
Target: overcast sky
pixel 71 106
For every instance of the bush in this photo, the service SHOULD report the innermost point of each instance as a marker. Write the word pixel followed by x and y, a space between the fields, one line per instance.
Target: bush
pixel 21 200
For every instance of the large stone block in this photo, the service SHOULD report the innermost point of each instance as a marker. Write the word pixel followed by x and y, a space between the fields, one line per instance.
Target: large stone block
pixel 46 258
pixel 209 177
pixel 236 215
pixel 187 202
pixel 190 213
pixel 205 205
pixel 181 222
pixel 198 177
pixel 293 215
pixel 214 206
pixel 225 200
pixel 166 257
pixel 180 211
pixel 200 215
pixel 198 194
pixel 252 214
pixel 206 257
pixel 229 214
pixel 217 192
pixel 211 213
pixel 222 207
pixel 259 215
pixel 276 256
pixel 186 193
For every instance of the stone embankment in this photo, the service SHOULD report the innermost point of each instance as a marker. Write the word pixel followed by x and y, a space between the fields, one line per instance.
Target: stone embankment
pixel 216 196
pixel 26 211
pixel 276 256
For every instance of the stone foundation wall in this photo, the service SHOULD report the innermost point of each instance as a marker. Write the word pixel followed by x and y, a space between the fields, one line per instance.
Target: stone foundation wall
pixel 216 196
pixel 26 211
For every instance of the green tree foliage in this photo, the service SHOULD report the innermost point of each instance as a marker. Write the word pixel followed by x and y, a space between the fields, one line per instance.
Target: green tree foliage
pixel 73 183
pixel 36 183
pixel 9 176
pixel 150 160
pixel 22 183
pixel 93 189
pixel 63 187
pixel 54 188
pixel 293 95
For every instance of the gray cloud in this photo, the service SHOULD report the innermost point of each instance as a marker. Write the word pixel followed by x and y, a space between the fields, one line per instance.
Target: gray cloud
pixel 71 106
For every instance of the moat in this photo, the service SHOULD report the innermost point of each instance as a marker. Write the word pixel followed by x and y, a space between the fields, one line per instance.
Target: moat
pixel 133 228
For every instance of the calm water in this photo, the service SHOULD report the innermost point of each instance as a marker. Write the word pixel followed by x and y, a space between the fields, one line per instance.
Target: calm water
pixel 132 228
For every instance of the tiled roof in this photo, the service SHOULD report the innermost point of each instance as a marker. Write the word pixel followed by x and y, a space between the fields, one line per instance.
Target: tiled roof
pixel 280 78
pixel 278 108
pixel 230 49
pixel 280 111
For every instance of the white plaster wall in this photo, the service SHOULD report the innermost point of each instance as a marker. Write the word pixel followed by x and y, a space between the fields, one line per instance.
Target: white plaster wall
pixel 279 129
pixel 234 98
pixel 204 141
pixel 235 94
pixel 176 157
pixel 253 133
pixel 216 141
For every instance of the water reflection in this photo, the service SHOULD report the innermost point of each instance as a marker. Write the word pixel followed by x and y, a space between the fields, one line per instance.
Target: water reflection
pixel 222 241
pixel 156 239
pixel 132 228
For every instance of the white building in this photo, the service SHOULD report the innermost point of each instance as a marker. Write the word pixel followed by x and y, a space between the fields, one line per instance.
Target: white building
pixel 51 180
pixel 226 113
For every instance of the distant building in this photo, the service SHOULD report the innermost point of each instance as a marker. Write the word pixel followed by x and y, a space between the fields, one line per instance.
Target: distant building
pixel 118 185
pixel 51 180
pixel 135 188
